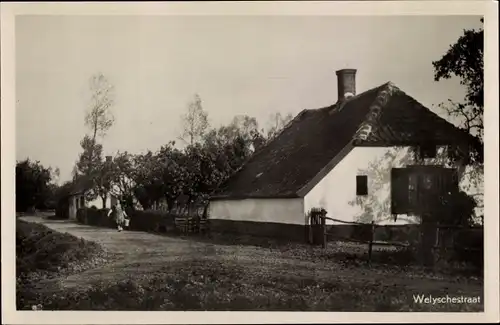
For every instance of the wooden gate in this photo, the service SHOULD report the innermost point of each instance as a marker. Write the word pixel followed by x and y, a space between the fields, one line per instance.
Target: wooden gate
pixel 317 227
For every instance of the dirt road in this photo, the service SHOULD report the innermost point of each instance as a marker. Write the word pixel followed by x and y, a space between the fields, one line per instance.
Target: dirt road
pixel 140 254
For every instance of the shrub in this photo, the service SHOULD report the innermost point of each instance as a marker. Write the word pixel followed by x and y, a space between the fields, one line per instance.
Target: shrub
pixel 95 217
pixel 469 247
pixel 62 208
pixel 81 216
pixel 458 209
pixel 468 243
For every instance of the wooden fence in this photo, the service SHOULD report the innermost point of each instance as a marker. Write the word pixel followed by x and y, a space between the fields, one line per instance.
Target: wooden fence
pixel 321 233
pixel 191 225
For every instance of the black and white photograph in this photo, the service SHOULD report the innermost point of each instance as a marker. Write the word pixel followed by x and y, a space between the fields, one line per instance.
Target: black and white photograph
pixel 251 163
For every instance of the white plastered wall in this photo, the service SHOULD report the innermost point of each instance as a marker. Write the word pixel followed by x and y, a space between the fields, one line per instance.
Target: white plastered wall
pixel 289 211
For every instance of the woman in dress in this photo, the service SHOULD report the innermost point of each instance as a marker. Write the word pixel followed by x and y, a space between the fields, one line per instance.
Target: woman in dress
pixel 119 215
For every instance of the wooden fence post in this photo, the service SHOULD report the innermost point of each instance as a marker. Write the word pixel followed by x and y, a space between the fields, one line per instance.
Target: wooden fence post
pixel 309 230
pixel 436 244
pixel 370 244
pixel 323 226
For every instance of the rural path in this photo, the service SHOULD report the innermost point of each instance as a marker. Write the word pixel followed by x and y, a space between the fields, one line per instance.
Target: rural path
pixel 140 253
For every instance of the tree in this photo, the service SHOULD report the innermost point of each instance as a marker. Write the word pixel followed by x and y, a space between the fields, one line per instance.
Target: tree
pixel 89 165
pixel 74 172
pixel 102 180
pixel 464 60
pixel 90 158
pixel 146 175
pixel 33 185
pixel 55 175
pixel 173 172
pixel 194 122
pixel 227 148
pixel 242 126
pixel 99 118
pixel 121 177
pixel 276 123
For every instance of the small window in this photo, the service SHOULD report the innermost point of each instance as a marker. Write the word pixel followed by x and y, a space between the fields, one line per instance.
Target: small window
pixel 428 151
pixel 361 185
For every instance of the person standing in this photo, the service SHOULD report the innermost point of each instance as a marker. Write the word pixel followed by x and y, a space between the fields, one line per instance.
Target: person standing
pixel 119 215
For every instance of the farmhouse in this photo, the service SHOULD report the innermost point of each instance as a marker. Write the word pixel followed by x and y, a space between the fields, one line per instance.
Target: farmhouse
pixel 350 158
pixel 76 198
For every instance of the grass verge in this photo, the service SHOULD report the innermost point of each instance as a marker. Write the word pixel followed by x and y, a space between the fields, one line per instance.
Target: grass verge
pixel 225 285
pixel 43 254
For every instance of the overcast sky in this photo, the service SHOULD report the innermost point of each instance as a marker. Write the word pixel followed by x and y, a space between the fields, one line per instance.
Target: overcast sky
pixel 238 65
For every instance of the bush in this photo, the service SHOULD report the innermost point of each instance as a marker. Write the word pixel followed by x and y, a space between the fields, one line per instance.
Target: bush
pixel 458 209
pixel 62 208
pixel 468 247
pixel 99 218
pixel 468 243
pixel 81 216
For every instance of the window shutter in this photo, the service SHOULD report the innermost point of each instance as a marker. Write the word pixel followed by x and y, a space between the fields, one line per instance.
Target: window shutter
pixel 361 185
pixel 399 191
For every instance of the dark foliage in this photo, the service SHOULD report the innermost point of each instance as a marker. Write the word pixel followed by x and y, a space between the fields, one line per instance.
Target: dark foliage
pixel 95 217
pixel 469 248
pixel 152 221
pixel 458 210
pixel 33 186
pixel 464 59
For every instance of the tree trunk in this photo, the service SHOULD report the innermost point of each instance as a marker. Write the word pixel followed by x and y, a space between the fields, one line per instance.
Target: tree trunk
pixel 170 203
pixel 104 201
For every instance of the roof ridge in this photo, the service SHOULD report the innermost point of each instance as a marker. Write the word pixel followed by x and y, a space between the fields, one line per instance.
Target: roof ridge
pixel 370 122
pixel 429 111
pixel 339 105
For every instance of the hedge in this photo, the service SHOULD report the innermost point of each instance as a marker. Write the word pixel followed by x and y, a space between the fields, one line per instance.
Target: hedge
pixel 139 220
pixel 469 247
pixel 393 233
pixel 152 221
pixel 95 217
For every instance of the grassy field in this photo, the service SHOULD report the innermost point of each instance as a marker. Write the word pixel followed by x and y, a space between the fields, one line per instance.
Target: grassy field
pixel 144 271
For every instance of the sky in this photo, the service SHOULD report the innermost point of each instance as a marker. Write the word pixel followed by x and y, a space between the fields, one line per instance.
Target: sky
pixel 254 65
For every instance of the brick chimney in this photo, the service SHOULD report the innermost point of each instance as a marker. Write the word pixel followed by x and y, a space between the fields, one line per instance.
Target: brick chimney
pixel 346 83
